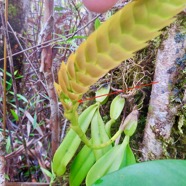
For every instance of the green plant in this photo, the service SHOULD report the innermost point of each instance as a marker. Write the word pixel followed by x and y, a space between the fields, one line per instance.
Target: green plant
pixel 123 34
pixel 71 142
pixel 91 162
pixel 152 173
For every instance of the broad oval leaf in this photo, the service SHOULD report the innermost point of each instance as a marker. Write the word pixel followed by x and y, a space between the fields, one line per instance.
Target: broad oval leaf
pixel 130 123
pixel 102 93
pixel 152 173
pixel 117 107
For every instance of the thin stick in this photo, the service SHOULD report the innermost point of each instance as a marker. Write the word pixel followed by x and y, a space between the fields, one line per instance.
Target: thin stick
pixel 5 68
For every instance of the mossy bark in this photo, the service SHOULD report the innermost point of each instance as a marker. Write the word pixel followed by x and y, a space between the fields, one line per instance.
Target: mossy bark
pixel 162 113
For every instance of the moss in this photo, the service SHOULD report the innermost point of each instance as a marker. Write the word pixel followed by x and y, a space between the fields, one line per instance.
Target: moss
pixel 12 10
pixel 177 147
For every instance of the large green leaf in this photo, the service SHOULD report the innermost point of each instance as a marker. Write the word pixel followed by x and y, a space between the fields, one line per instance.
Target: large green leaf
pixel 71 142
pixel 152 173
pixel 81 165
pixel 99 135
pixel 110 162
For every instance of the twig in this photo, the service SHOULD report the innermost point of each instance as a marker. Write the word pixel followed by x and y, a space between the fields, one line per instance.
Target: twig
pixel 63 129
pixel 21 149
pixel 4 19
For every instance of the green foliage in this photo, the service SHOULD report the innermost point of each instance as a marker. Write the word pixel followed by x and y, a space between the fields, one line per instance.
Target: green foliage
pixel 116 158
pixel 87 156
pixel 8 145
pixel 101 92
pixel 152 173
pixel 81 165
pixel 101 157
pixel 7 177
pixel 51 175
pixel 130 123
pixel 14 114
pixel 116 107
pixel 97 24
pixel 59 8
pixel 123 34
pixel 99 135
pixel 71 142
pixel 12 10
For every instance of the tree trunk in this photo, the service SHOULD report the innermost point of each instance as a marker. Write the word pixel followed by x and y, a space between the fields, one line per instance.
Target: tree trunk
pixel 46 68
pixel 161 115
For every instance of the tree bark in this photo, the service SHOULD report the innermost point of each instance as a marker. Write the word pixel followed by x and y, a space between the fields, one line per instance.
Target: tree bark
pixel 161 115
pixel 46 68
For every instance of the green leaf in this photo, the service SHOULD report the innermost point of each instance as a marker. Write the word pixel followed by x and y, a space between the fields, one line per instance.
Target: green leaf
pixel 48 173
pixel 35 121
pixel 117 107
pixel 81 165
pixel 108 126
pixel 109 162
pixel 99 135
pixel 102 93
pixel 130 123
pixel 128 157
pixel 59 8
pixel 8 144
pixel 14 114
pixel 71 142
pixel 22 98
pixel 152 173
pixel 77 37
pixel 15 72
pixel 9 84
pixel 7 177
pixel 181 123
pixel 97 23
pixel 8 74
pixel 18 76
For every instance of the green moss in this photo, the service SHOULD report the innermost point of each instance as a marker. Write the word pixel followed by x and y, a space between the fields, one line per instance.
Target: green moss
pixel 12 10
